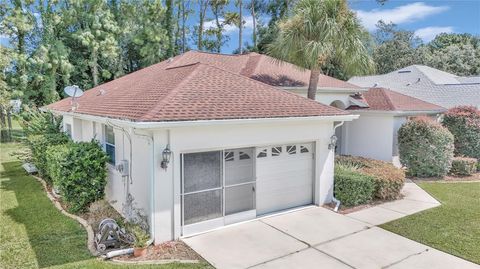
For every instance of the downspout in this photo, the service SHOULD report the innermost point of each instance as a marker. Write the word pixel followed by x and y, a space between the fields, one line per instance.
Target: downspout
pixel 151 141
pixel 335 200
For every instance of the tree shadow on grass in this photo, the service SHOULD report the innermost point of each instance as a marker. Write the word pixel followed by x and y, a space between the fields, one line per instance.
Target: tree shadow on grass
pixel 55 238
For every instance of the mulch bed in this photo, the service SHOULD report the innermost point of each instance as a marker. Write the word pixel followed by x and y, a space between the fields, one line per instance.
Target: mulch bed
pixel 172 250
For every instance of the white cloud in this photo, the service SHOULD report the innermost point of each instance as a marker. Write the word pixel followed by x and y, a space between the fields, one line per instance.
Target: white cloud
pixel 230 29
pixel 429 33
pixel 401 14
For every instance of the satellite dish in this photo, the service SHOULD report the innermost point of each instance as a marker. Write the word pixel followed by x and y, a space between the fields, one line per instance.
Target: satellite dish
pixel 73 91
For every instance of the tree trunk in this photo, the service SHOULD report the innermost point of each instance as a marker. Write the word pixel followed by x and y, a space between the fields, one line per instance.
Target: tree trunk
pixel 254 37
pixel 184 19
pixel 168 25
pixel 313 83
pixel 94 65
pixel 203 9
pixel 9 121
pixel 240 27
pixel 219 30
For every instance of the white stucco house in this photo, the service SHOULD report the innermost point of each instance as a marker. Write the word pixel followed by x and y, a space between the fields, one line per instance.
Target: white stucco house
pixel 201 145
pixel 374 134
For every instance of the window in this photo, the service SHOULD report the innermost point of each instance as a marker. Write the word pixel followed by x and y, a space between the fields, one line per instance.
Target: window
pixel 291 150
pixel 229 156
pixel 262 153
pixel 68 129
pixel 244 155
pixel 276 151
pixel 303 149
pixel 110 143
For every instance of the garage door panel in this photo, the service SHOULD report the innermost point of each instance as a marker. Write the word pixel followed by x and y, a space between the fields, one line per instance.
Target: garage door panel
pixel 284 180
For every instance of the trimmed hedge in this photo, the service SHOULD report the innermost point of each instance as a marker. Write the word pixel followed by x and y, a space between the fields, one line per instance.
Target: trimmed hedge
pixel 78 170
pixel 38 145
pixel 389 180
pixel 351 187
pixel 425 147
pixel 463 166
pixel 464 123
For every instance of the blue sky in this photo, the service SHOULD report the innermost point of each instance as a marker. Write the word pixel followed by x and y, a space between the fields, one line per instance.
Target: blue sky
pixel 426 18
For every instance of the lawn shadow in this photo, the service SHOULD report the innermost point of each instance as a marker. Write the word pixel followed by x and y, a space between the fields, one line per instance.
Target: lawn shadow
pixel 55 238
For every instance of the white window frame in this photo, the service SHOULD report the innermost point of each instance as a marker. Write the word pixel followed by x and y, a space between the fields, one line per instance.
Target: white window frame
pixel 105 143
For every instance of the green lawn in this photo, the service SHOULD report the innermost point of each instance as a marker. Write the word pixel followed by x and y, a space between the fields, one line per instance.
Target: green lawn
pixel 34 234
pixel 453 227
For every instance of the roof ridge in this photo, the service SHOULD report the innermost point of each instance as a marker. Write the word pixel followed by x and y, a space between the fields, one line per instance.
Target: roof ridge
pixel 261 83
pixel 408 96
pixel 387 98
pixel 173 91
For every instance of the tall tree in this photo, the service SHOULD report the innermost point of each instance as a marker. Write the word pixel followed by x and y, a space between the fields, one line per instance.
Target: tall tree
pixel 185 11
pixel 396 48
pixel 218 11
pixel 240 26
pixel 317 32
pixel 93 32
pixel 203 5
pixel 17 24
pixel 169 26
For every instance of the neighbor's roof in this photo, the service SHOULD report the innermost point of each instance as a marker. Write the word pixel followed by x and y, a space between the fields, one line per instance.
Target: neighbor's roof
pixel 168 91
pixel 428 84
pixel 381 99
pixel 262 68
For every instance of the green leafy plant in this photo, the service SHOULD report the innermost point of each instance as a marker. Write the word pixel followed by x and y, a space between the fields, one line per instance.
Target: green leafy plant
pixel 141 237
pixel 352 187
pixel 36 122
pixel 79 172
pixel 425 147
pixel 38 145
pixel 389 179
pixel 464 123
pixel 463 166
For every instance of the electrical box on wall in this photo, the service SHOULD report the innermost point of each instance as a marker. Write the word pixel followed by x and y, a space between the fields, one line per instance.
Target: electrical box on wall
pixel 122 168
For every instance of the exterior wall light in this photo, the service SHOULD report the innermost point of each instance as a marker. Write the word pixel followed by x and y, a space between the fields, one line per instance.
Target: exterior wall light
pixel 166 155
pixel 333 142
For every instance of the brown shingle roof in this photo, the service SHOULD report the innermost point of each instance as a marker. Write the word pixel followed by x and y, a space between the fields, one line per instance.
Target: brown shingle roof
pixel 262 68
pixel 387 100
pixel 168 91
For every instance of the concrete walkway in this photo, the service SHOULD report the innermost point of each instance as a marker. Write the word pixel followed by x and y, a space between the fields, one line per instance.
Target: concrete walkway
pixel 316 237
pixel 415 199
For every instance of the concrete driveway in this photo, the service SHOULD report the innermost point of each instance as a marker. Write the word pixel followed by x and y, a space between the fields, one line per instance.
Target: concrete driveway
pixel 316 238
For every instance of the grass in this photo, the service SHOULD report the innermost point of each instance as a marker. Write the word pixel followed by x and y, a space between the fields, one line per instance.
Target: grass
pixel 453 227
pixel 34 234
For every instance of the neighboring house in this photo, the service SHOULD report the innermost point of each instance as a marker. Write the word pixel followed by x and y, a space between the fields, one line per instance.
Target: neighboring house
pixel 239 147
pixel 427 84
pixel 374 134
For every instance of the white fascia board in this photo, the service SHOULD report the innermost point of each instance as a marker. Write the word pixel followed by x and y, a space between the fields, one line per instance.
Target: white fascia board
pixel 328 89
pixel 398 112
pixel 172 124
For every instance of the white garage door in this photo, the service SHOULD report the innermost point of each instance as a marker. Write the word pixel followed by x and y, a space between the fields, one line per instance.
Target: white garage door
pixel 284 177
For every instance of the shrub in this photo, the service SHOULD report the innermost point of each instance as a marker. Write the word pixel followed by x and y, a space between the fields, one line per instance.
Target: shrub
pixel 38 145
pixel 389 180
pixel 35 122
pixel 425 147
pixel 79 172
pixel 463 166
pixel 352 187
pixel 464 123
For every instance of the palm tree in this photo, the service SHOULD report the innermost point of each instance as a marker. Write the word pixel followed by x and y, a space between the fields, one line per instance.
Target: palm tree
pixel 317 32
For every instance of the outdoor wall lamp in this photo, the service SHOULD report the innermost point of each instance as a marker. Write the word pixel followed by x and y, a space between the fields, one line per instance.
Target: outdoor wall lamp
pixel 333 142
pixel 166 155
